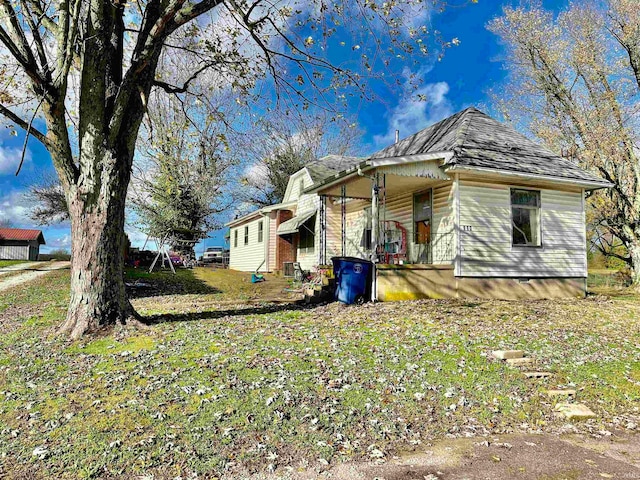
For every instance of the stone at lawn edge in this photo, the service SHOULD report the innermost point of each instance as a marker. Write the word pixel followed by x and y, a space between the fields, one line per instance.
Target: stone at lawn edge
pixel 561 392
pixel 575 411
pixel 504 354
pixel 537 374
pixel 517 362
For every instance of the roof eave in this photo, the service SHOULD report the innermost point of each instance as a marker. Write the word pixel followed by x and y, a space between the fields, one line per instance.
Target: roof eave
pixel 586 184
pixel 370 164
pixel 333 179
pixel 262 212
pixel 245 218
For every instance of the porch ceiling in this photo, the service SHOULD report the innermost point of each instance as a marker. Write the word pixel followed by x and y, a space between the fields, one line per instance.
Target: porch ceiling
pixel 360 187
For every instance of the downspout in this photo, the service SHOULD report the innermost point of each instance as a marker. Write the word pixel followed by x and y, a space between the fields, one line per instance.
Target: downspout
pixel 265 240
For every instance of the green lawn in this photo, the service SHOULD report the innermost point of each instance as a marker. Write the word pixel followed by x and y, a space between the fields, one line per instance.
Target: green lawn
pixel 218 388
pixel 8 263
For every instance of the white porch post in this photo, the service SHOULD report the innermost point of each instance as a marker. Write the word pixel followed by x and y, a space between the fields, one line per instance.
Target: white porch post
pixel 375 234
pixel 375 219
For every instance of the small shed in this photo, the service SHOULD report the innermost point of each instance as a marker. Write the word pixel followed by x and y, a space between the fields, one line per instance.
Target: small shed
pixel 20 243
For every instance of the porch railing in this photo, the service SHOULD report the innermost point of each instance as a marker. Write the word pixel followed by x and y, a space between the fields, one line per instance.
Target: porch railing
pixel 440 249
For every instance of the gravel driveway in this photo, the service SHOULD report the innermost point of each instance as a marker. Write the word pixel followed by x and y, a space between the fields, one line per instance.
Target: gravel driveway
pixel 31 272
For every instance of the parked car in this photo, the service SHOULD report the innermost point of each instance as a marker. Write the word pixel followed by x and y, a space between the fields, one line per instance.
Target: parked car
pixel 176 259
pixel 213 255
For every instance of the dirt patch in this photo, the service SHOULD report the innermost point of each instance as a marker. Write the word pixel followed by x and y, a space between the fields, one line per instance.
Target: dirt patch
pixel 526 457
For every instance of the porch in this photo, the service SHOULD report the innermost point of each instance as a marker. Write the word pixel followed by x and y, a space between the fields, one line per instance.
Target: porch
pixel 401 217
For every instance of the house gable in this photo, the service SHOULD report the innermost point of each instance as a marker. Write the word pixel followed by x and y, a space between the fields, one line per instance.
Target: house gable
pixel 294 191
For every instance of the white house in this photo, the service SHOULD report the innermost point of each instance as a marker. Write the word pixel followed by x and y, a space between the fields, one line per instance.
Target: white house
pixel 465 208
pixel 274 237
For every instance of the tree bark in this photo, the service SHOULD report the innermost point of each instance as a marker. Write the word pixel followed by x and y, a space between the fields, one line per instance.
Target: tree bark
pixel 98 297
pixel 634 253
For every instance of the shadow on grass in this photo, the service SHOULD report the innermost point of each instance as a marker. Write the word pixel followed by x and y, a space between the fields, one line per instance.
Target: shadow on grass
pixel 140 283
pixel 216 314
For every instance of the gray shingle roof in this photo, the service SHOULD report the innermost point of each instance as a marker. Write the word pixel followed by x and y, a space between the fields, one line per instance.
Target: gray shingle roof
pixel 330 165
pixel 477 140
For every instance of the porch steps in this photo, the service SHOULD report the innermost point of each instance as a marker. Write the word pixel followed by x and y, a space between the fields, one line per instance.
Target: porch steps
pixel 320 293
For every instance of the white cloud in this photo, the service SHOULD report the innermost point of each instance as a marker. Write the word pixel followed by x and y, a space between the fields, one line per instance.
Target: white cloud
pixel 62 242
pixel 137 237
pixel 416 110
pixel 10 159
pixel 13 207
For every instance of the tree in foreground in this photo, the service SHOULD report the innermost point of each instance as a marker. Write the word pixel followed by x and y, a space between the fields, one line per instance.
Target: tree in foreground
pixel 89 67
pixel 575 81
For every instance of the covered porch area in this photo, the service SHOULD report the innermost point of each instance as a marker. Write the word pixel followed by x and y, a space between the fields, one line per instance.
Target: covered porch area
pixel 400 217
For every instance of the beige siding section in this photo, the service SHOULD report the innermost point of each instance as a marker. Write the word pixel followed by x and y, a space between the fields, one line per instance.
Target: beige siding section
pixel 443 224
pixel 247 258
pixel 400 208
pixel 355 223
pixel 486 250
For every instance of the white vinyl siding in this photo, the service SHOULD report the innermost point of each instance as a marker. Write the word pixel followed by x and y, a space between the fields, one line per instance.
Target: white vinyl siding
pixel 400 209
pixel 294 191
pixel 247 258
pixel 485 234
pixel 14 252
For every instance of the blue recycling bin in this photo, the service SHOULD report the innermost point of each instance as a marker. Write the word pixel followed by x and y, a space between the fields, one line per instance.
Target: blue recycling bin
pixel 353 279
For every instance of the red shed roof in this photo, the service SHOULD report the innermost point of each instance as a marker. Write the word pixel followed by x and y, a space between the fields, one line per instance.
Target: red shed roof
pixel 22 234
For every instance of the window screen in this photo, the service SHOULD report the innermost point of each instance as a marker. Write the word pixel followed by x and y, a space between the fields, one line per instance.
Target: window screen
pixel 525 217
pixel 422 217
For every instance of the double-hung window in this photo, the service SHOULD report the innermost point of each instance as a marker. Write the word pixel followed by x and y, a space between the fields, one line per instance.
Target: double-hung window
pixel 246 235
pixel 260 231
pixel 525 218
pixel 235 238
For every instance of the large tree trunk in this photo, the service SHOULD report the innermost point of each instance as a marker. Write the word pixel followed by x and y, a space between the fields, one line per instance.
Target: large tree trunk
pixel 98 297
pixel 634 253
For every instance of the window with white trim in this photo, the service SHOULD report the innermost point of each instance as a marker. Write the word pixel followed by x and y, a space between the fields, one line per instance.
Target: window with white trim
pixel 525 218
pixel 307 237
pixel 235 238
pixel 246 235
pixel 260 231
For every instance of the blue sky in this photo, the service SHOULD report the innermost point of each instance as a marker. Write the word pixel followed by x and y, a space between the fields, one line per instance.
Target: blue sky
pixel 464 77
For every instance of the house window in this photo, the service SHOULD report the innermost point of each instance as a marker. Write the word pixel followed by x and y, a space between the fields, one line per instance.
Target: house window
pixel 246 235
pixel 365 242
pixel 260 230
pixel 525 218
pixel 235 238
pixel 300 186
pixel 422 217
pixel 308 236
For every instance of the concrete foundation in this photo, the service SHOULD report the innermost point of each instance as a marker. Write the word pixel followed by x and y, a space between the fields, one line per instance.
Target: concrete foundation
pixel 413 282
